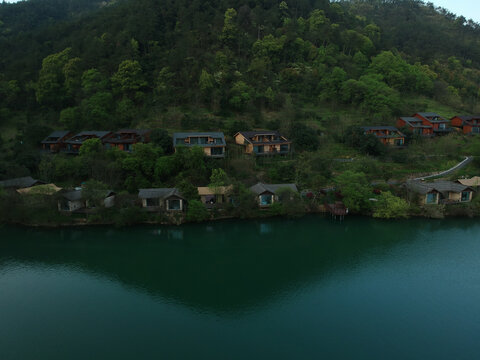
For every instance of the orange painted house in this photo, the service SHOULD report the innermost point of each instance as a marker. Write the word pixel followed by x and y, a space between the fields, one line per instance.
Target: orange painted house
pixel 438 123
pixel 125 139
pixel 388 135
pixel 415 125
pixel 470 124
pixel 263 142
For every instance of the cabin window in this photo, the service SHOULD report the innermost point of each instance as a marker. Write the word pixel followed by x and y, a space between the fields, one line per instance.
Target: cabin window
pixel 258 149
pixel 417 131
pixel 432 198
pixel 284 148
pixel 174 204
pixel 266 199
pixel 399 142
pixel 180 141
pixel 128 147
pixel 217 141
pixel 216 151
pixel 465 195
pixel 153 202
pixel 475 130
pixel 442 126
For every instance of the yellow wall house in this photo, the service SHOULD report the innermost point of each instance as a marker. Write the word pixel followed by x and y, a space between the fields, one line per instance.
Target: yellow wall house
pixel 214 196
pixel 441 192
pixel 263 142
pixel 212 143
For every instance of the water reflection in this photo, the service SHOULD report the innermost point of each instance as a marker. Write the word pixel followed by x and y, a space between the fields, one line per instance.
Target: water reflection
pixel 224 267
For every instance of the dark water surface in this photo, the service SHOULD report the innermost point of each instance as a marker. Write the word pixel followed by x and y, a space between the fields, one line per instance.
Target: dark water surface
pixel 273 289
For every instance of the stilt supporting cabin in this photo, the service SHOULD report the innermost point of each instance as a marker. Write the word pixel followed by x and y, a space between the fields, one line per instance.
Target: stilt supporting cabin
pixel 337 210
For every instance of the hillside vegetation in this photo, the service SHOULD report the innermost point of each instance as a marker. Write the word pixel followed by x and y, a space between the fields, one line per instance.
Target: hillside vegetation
pixel 310 68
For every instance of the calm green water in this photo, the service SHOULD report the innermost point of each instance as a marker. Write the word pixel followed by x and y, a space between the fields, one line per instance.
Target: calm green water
pixel 274 289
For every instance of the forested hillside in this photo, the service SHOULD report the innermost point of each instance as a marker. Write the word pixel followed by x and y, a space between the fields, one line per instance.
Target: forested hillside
pixel 307 67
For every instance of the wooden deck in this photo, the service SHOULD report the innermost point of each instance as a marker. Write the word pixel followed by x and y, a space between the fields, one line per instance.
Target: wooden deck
pixel 337 209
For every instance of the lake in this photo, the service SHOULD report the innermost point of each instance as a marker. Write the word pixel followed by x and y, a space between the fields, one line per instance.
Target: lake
pixel 308 288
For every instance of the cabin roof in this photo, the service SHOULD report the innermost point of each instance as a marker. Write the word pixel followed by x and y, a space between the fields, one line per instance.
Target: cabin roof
pixel 161 193
pixel 55 136
pixel 84 135
pixel 442 186
pixel 261 188
pixel 414 122
pixel 380 128
pixel 474 181
pixel 185 135
pixel 432 117
pixel 22 182
pixel 249 135
pixel 205 190
pixel 75 195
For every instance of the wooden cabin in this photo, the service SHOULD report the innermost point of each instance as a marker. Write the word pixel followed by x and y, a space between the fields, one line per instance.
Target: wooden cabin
pixel 415 125
pixel 20 183
pixel 439 124
pixel 125 139
pixel 388 135
pixel 212 143
pixel 56 141
pixel 73 144
pixel 263 142
pixel 162 199
pixel 74 200
pixel 267 194
pixel 470 124
pixel 212 197
pixel 441 192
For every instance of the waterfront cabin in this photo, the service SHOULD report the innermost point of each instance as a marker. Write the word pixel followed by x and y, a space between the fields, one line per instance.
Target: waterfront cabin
pixel 125 139
pixel 73 144
pixel 73 200
pixel 212 143
pixel 267 194
pixel 263 142
pixel 388 135
pixel 162 199
pixel 55 141
pixel 441 192
pixel 438 123
pixel 469 124
pixel 20 183
pixel 212 197
pixel 415 125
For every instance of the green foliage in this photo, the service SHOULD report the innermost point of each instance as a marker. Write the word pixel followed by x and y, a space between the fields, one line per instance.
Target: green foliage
pixel 128 80
pixel 390 206
pixel 366 143
pixel 91 148
pixel 160 137
pixel 355 190
pixel 94 192
pixel 196 211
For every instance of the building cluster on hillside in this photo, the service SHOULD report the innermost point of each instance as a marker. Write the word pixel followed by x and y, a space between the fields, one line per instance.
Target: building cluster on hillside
pixel 427 124
pixel 262 142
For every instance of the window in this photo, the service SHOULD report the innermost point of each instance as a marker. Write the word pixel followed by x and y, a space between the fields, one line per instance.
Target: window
pixel 465 195
pixel 258 149
pixel 266 199
pixel 194 140
pixel 442 126
pixel 284 148
pixel 432 198
pixel 174 204
pixel 180 141
pixel 153 202
pixel 216 151
pixel 475 130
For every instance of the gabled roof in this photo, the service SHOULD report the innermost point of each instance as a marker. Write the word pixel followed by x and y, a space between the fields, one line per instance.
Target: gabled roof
pixel 160 193
pixel 441 186
pixel 74 195
pixel 249 135
pixel 55 136
pixel 432 117
pixel 127 136
pixel 261 188
pixel 203 191
pixel 23 182
pixel 84 135
pixel 474 181
pixel 414 122
pixel 185 135
pixel 467 118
